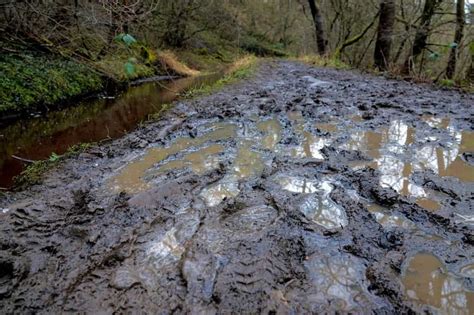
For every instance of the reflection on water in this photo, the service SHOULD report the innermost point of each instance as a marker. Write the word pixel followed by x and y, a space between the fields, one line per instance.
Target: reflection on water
pixel 301 185
pixel 272 129
pixel 130 178
pixel 312 145
pixel 228 187
pixel 247 163
pixel 427 282
pixel 387 220
pixel 90 121
pixel 338 277
pixel 386 146
pixel 317 205
pixel 323 211
pixel 467 271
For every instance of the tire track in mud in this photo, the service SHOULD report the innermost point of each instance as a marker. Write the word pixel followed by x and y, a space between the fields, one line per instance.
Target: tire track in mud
pixel 302 190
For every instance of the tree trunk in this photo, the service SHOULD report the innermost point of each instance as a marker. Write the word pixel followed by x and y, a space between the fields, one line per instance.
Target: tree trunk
pixel 318 24
pixel 384 34
pixel 422 33
pixel 460 20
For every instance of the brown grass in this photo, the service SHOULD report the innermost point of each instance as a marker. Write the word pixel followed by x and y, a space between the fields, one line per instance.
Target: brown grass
pixel 170 63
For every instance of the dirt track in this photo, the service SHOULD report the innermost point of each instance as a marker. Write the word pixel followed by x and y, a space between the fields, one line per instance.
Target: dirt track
pixel 301 190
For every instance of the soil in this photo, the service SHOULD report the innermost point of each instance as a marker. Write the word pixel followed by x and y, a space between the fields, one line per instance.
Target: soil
pixel 301 190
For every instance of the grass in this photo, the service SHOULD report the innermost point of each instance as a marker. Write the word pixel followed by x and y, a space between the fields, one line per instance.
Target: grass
pixel 241 69
pixel 28 81
pixel 34 173
pixel 327 61
pixel 170 63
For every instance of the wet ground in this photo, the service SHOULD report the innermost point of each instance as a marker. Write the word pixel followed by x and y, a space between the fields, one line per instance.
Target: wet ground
pixel 302 190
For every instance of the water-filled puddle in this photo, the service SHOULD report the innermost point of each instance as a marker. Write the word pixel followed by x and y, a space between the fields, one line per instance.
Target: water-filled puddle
pixel 200 161
pixel 390 149
pixel 328 127
pixel 317 205
pixel 323 211
pixel 311 147
pixel 387 220
pixel 272 130
pixel 248 163
pixel 428 283
pixel 339 277
pixel 467 271
pixel 131 179
pixel 299 184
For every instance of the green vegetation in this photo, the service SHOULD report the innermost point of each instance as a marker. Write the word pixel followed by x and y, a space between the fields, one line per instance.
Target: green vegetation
pixel 33 174
pixel 324 61
pixel 28 80
pixel 241 69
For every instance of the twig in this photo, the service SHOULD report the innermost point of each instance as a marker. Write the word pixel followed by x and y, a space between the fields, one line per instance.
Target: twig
pixel 22 159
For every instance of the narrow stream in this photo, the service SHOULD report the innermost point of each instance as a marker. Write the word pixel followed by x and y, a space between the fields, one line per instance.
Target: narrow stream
pixel 90 121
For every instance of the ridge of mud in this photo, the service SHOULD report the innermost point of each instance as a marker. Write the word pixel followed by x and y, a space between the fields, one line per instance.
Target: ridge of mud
pixel 299 191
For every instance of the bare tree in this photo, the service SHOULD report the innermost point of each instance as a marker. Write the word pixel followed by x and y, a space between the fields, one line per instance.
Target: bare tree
pixel 318 24
pixel 422 33
pixel 460 21
pixel 383 44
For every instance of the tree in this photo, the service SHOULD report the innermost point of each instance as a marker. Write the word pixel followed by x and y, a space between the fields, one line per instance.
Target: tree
pixel 422 33
pixel 383 44
pixel 460 21
pixel 318 24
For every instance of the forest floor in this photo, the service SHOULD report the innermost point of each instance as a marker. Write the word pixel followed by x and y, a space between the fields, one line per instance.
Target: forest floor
pixel 299 190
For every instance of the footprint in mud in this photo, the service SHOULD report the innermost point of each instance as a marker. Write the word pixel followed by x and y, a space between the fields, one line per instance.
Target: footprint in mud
pixel 428 284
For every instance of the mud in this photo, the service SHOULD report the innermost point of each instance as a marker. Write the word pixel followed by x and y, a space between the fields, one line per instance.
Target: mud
pixel 302 190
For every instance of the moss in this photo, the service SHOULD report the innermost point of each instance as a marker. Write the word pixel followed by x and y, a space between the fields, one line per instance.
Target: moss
pixel 27 81
pixel 34 173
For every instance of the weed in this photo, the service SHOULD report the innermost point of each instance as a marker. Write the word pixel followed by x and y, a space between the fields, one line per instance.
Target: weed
pixel 33 174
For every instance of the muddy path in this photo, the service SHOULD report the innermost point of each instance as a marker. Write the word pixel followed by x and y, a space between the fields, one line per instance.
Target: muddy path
pixel 302 190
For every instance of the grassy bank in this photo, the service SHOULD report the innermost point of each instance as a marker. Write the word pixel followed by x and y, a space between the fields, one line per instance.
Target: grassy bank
pixel 27 80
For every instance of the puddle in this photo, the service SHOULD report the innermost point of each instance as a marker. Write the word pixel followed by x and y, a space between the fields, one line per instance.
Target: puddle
pixel 297 120
pixel 467 271
pixel 130 178
pixel 448 161
pixel 328 127
pixel 313 82
pixel 436 122
pixel 89 121
pixel 300 185
pixel 387 220
pixel 248 163
pixel 228 187
pixel 339 279
pixel 427 282
pixel 311 148
pixel 272 129
pixel 323 211
pixel 200 162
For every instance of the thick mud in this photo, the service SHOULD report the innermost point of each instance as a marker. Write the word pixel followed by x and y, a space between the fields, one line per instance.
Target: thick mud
pixel 302 190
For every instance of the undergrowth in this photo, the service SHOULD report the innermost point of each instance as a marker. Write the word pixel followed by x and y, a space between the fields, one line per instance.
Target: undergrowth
pixel 33 174
pixel 27 81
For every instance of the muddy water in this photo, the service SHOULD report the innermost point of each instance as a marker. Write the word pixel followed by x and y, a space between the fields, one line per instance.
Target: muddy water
pixel 265 198
pixel 90 121
pixel 428 283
